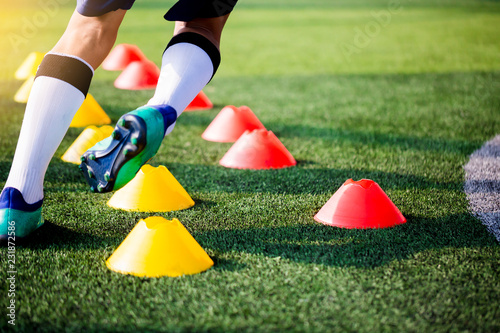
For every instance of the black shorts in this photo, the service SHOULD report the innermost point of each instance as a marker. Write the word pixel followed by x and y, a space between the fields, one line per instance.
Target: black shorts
pixel 182 10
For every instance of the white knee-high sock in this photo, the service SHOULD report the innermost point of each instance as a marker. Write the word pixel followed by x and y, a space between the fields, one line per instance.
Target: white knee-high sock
pixel 188 64
pixel 59 90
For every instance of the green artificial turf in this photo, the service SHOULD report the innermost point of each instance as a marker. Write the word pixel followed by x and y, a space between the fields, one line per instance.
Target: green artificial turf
pixel 405 111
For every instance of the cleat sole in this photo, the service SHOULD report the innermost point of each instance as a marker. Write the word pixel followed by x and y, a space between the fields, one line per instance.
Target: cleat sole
pixel 101 166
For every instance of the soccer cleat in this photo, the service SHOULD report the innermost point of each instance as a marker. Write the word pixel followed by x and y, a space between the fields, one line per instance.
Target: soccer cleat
pixel 17 218
pixel 113 162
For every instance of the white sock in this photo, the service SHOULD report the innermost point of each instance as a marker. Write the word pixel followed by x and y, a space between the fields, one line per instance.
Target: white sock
pixel 51 107
pixel 186 68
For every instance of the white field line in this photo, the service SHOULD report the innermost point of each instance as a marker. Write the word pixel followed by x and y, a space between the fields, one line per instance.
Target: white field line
pixel 482 185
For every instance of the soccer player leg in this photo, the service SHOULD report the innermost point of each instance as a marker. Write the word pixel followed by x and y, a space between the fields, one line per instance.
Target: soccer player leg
pixel 61 84
pixel 188 64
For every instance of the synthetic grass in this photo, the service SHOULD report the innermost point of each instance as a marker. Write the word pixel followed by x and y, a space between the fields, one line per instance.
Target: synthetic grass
pixel 275 268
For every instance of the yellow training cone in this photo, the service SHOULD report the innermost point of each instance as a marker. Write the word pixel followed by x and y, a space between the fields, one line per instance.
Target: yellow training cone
pixel 152 190
pixel 159 247
pixel 23 93
pixel 29 66
pixel 86 140
pixel 90 113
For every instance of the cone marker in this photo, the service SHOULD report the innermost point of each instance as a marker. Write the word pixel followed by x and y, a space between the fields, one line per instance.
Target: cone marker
pixel 29 66
pixel 231 123
pixel 86 140
pixel 121 56
pixel 360 204
pixel 158 247
pixel 90 113
pixel 258 149
pixel 23 92
pixel 139 75
pixel 152 190
pixel 200 102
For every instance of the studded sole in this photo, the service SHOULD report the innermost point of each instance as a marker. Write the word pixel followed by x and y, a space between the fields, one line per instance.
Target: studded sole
pixel 101 167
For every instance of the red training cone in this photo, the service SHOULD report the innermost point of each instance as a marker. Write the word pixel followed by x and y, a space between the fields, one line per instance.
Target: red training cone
pixel 258 149
pixel 360 204
pixel 231 123
pixel 200 102
pixel 139 75
pixel 122 56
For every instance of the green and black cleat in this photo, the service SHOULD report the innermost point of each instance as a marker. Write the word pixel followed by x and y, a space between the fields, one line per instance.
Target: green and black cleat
pixel 113 162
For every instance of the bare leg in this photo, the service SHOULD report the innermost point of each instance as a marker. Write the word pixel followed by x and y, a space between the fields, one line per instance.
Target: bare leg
pixel 210 28
pixel 90 38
